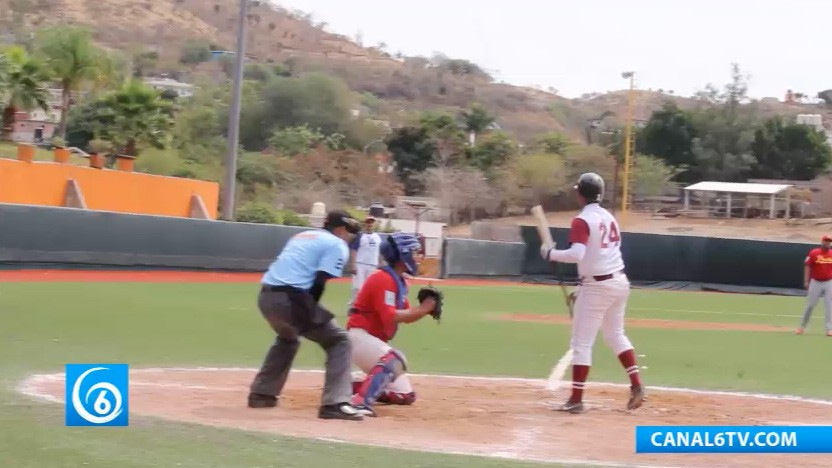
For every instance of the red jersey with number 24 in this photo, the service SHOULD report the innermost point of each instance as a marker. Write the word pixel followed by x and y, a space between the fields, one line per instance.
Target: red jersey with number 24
pixel 820 264
pixel 597 229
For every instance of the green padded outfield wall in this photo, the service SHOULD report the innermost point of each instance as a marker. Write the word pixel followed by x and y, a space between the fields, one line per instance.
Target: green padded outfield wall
pixel 658 257
pixel 37 236
pixel 471 258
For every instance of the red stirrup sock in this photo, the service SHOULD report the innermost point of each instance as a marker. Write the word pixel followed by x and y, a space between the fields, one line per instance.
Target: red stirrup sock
pixel 628 361
pixel 579 375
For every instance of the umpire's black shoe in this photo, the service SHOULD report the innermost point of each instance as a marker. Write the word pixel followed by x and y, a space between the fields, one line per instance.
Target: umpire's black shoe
pixel 258 400
pixel 343 411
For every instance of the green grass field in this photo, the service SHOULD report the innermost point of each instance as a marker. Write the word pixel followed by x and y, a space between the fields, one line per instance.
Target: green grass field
pixel 45 325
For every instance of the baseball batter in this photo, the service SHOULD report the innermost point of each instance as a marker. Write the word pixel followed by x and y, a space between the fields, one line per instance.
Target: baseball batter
pixel 365 255
pixel 374 319
pixel 289 300
pixel 817 279
pixel 601 298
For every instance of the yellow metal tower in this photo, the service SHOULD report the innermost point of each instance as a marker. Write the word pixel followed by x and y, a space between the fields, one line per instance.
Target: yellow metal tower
pixel 629 146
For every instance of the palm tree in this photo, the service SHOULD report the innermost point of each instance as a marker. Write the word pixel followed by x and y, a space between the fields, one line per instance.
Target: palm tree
pixel 73 60
pixel 22 86
pixel 475 121
pixel 137 115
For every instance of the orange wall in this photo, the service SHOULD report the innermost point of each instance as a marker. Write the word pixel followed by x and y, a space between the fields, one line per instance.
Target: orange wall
pixel 44 183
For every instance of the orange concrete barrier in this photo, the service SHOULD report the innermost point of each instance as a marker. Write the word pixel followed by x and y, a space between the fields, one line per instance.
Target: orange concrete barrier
pixel 45 183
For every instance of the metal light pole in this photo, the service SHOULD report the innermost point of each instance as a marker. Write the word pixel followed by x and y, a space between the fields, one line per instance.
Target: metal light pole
pixel 628 145
pixel 230 180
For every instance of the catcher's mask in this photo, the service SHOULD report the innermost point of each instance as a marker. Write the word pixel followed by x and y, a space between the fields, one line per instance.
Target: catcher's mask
pixel 401 246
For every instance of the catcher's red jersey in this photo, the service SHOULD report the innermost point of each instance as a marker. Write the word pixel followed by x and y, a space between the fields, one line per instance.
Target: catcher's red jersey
pixel 375 307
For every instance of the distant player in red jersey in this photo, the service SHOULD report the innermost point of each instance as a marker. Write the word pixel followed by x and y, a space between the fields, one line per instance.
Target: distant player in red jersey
pixel 379 308
pixel 817 279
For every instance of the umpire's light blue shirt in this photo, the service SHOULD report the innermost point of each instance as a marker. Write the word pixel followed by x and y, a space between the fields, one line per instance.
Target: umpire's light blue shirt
pixel 305 254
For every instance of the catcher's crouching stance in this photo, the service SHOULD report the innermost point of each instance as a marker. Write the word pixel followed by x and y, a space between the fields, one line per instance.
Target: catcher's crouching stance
pixel 379 308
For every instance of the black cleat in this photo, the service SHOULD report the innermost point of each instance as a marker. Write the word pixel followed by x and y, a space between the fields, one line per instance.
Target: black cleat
pixel 571 407
pixel 365 410
pixel 340 411
pixel 636 397
pixel 258 400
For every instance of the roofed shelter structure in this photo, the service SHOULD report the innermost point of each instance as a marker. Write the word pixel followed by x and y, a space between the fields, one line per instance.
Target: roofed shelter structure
pixel 731 189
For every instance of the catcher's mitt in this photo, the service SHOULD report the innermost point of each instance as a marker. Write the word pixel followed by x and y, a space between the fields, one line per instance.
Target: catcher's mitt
pixel 430 291
pixel 570 303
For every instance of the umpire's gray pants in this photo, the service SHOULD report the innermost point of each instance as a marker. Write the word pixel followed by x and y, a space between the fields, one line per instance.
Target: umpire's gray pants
pixel 292 315
pixel 816 290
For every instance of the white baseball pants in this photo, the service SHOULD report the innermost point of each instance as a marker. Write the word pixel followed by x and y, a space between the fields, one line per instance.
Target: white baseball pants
pixel 366 352
pixel 815 291
pixel 362 272
pixel 600 305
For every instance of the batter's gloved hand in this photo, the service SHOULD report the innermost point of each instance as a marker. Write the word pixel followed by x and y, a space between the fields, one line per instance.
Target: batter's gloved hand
pixel 437 295
pixel 570 303
pixel 545 249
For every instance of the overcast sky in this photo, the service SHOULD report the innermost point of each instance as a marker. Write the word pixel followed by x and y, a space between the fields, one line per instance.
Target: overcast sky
pixel 582 46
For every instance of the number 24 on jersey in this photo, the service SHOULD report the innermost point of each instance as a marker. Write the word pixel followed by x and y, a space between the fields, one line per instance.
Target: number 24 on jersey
pixel 609 234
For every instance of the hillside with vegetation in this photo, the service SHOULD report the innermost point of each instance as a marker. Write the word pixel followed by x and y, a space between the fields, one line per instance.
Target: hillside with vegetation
pixel 327 118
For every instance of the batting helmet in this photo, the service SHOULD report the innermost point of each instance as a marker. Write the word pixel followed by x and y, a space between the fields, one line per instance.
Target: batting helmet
pixel 400 246
pixel 591 186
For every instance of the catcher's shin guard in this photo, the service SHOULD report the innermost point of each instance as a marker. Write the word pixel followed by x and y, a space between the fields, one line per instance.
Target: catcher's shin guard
pixel 388 368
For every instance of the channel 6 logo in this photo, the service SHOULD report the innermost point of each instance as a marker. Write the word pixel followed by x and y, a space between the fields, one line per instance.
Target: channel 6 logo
pixel 96 394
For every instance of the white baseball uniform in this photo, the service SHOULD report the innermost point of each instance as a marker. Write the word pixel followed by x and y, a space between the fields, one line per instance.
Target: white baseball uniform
pixel 604 288
pixel 366 246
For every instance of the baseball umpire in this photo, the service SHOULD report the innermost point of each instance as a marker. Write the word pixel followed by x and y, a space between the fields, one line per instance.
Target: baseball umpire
pixel 289 300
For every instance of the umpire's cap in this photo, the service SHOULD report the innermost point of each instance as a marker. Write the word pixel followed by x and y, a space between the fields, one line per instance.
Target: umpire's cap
pixel 338 218
pixel 591 186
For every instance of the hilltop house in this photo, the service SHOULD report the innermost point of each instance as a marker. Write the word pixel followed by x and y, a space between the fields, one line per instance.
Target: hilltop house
pixel 182 90
pixel 37 125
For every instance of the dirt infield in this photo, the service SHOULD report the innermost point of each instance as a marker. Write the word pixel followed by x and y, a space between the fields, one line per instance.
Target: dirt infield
pixel 653 323
pixel 506 418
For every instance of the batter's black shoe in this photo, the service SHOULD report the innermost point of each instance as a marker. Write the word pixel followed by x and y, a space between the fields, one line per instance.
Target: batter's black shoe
pixel 636 397
pixel 258 400
pixel 343 411
pixel 571 407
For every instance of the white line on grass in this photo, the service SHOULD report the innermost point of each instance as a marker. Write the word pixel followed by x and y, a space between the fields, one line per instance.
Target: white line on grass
pixel 715 312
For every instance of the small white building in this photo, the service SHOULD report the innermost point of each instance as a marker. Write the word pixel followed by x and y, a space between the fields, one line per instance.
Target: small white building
pixel 183 90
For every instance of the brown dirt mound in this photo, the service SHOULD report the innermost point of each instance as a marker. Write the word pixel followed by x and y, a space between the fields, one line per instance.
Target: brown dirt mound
pixel 499 418
pixel 653 323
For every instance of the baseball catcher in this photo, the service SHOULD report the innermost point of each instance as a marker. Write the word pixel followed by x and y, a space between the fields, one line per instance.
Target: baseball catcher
pixel 379 308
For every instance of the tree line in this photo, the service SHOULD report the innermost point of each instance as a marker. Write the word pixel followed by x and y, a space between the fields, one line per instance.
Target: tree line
pixel 306 137
pixel 728 138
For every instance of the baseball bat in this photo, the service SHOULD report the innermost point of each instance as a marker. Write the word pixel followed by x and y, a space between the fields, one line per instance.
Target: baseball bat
pixel 555 380
pixel 546 237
